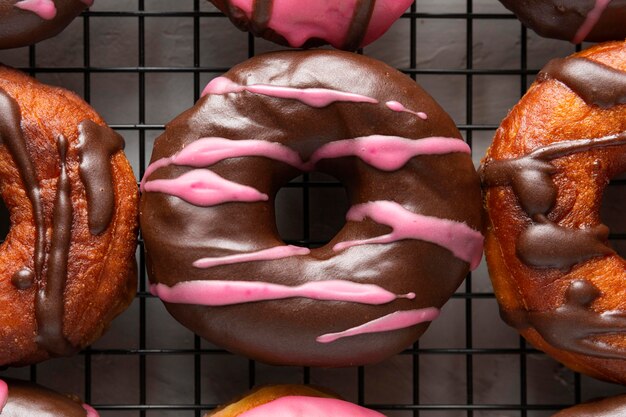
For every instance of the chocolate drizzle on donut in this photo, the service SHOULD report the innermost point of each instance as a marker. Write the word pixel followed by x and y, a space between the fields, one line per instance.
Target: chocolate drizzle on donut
pixel 571 326
pixel 261 15
pixel 360 21
pixel 96 146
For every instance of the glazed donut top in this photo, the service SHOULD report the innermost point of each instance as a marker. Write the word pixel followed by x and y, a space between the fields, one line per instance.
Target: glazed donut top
pixel 606 407
pixel 20 398
pixel 208 220
pixel 573 20
pixel 346 24
pixel 25 22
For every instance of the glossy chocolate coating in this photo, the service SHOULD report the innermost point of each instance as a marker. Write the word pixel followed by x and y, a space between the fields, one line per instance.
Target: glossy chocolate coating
pixel 561 19
pixel 178 233
pixel 23 27
pixel 28 399
pixel 605 407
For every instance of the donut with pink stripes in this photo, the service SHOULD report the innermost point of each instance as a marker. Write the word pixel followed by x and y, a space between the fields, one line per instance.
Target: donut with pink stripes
pixel 207 210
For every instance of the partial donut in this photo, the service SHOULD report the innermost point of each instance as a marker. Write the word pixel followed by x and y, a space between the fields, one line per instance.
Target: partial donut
pixel 207 211
pixel 68 262
pixel 20 398
pixel 606 407
pixel 556 277
pixel 291 401
pixel 25 22
pixel 573 20
pixel 347 24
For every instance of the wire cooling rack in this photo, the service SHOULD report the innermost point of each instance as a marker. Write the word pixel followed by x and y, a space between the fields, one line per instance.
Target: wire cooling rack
pixel 141 62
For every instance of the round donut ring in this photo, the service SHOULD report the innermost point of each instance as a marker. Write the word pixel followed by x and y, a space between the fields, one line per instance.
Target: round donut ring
pixel 25 22
pixel 556 278
pixel 573 20
pixel 68 262
pixel 207 212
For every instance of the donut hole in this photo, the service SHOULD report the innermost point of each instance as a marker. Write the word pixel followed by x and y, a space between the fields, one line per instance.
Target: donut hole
pixel 5 221
pixel 311 209
pixel 612 213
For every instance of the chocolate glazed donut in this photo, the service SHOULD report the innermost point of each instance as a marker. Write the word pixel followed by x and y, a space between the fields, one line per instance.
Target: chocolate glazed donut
pixel 25 22
pixel 347 24
pixel 207 215
pixel 606 407
pixel 555 276
pixel 573 20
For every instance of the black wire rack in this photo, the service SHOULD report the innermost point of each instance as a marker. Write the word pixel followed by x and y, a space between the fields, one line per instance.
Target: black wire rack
pixel 467 364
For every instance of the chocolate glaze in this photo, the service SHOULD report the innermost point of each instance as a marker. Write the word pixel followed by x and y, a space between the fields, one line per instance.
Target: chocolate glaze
pixel 571 326
pixel 22 27
pixel 605 407
pixel 562 19
pixel 178 233
pixel 361 19
pixel 28 399
pixel 50 294
pixel 96 146
pixel 594 82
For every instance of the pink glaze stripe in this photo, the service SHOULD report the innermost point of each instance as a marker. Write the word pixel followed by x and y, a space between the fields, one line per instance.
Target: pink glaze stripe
pixel 202 187
pixel 301 406
pixel 393 321
pixel 314 97
pixel 464 242
pixel 42 8
pixel 205 152
pixel 91 412
pixel 4 394
pixel 278 252
pixel 591 20
pixel 399 107
pixel 388 153
pixel 221 293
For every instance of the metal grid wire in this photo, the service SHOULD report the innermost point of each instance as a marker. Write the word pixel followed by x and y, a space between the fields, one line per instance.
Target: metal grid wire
pixel 467 364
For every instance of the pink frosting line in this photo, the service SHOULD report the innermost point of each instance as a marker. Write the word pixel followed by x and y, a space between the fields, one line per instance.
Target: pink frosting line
pixel 221 293
pixel 202 187
pixel 278 252
pixel 91 412
pixel 393 321
pixel 314 97
pixel 399 107
pixel 4 394
pixel 591 20
pixel 42 8
pixel 301 406
pixel 388 153
pixel 464 242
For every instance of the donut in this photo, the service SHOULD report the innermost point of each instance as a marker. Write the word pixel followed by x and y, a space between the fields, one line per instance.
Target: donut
pixel 25 22
pixel 68 261
pixel 214 255
pixel 291 401
pixel 20 398
pixel 573 20
pixel 555 275
pixel 605 407
pixel 347 25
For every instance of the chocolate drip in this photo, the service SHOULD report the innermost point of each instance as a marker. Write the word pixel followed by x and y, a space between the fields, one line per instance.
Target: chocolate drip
pixel 261 14
pixel 49 304
pixel 11 137
pixel 23 279
pixel 545 244
pixel 358 26
pixel 573 325
pixel 594 82
pixel 96 146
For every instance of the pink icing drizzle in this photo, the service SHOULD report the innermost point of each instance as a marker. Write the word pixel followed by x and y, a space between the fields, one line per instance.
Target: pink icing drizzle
pixel 4 394
pixel 314 97
pixel 202 187
pixel 592 19
pixel 388 153
pixel 464 242
pixel 91 412
pixel 42 8
pixel 399 107
pixel 277 252
pixel 393 321
pixel 302 406
pixel 220 293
